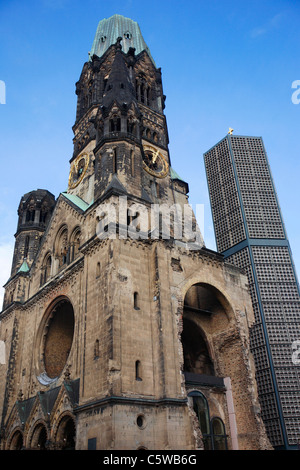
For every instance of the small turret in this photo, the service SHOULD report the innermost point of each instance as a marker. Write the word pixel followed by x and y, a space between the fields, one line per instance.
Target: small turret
pixel 34 212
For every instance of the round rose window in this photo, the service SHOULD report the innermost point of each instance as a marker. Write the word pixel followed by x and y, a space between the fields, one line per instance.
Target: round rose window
pixel 58 338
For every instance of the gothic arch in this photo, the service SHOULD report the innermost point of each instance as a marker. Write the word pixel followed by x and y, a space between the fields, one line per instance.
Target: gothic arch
pixel 205 315
pixel 38 436
pixel 114 120
pixel 75 241
pixel 212 427
pixel 64 432
pixel 218 290
pixel 198 355
pixel 46 268
pixel 61 246
pixel 31 206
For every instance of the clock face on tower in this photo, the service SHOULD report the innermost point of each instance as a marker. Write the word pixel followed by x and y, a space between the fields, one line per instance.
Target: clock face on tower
pixel 154 162
pixel 78 169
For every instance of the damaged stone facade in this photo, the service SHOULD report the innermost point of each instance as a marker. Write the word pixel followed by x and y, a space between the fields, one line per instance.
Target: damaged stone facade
pixel 123 342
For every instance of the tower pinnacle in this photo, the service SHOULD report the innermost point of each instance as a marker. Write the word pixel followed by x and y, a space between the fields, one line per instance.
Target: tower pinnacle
pixel 117 26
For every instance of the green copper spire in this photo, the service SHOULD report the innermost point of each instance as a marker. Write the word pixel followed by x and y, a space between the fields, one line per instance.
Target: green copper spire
pixel 110 29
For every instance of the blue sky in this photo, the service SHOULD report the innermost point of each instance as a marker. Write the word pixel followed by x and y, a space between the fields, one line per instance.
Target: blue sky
pixel 224 64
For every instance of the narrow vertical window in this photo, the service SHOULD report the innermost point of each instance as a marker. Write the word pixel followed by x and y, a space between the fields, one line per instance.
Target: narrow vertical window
pixel 136 301
pixel 26 246
pixel 47 269
pixel 157 189
pixel 132 162
pixel 138 372
pixel 98 270
pixel 142 93
pixel 92 443
pixel 128 217
pixel 219 434
pixel 114 161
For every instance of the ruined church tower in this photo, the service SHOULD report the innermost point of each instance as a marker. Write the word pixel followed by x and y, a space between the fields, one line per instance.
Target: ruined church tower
pixel 120 333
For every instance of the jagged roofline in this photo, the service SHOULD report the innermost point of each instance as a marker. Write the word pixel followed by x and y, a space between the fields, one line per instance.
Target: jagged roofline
pixel 108 31
pixel 75 203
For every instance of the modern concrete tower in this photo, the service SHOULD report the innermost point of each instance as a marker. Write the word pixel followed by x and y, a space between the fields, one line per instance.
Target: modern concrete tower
pixel 250 233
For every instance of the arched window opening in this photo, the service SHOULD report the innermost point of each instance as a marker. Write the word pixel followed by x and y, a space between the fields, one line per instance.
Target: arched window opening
pixel 204 308
pixel 30 215
pixel 58 338
pixel 115 124
pixel 200 406
pixel 39 438
pixel 132 162
pixel 75 244
pixel 212 430
pixel 138 371
pixel 202 299
pixel 114 161
pixel 131 126
pixel 43 216
pixel 16 441
pixel 46 269
pixel 62 248
pixel 136 301
pixel 196 356
pixel 219 434
pixel 98 270
pixel 66 434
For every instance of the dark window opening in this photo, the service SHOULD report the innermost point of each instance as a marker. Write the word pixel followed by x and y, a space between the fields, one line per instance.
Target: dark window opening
pixel 66 434
pixel 132 162
pixel 30 215
pixel 114 157
pixel 98 270
pixel 59 338
pixel 92 443
pixel 196 356
pixel 115 125
pixel 136 301
pixel 39 438
pixel 213 430
pixel 96 349
pixel 138 374
pixel 17 441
